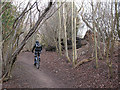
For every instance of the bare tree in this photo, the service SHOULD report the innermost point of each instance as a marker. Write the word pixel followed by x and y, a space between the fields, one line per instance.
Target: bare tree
pixel 0 48
pixel 59 38
pixel 75 32
pixel 65 37
pixel 41 19
pixel 102 19
pixel 93 15
pixel 73 48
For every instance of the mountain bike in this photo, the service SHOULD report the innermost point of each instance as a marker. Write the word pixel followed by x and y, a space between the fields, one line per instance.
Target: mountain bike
pixel 37 63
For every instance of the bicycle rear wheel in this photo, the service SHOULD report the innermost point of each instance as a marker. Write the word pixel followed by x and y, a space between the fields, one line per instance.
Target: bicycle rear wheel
pixel 38 64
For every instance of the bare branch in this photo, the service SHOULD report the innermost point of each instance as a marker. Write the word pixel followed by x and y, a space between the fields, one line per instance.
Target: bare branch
pixel 86 23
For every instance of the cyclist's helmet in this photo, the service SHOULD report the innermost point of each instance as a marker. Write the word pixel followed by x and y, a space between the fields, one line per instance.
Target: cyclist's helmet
pixel 37 41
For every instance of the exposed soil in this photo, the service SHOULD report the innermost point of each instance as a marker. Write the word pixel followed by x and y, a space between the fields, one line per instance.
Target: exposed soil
pixel 56 72
pixel 26 75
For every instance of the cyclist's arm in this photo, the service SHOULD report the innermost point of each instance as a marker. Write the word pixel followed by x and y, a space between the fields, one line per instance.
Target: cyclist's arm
pixel 33 48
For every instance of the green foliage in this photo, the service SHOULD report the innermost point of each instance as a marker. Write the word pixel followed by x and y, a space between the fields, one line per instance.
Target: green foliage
pixel 8 18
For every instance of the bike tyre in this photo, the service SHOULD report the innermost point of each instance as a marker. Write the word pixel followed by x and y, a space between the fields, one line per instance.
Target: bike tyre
pixel 38 64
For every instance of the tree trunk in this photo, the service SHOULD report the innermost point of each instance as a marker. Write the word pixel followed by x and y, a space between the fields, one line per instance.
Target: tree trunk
pixel 59 38
pixel 93 13
pixel 107 54
pixel 65 33
pixel 99 47
pixel 0 49
pixel 95 48
pixel 75 51
pixel 27 37
pixel 73 55
pixel 117 17
pixel 56 45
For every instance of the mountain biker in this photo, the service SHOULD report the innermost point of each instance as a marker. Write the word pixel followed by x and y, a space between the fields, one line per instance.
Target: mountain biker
pixel 38 49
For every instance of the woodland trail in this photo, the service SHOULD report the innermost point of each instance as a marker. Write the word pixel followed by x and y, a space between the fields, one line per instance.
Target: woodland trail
pixel 31 77
pixel 55 72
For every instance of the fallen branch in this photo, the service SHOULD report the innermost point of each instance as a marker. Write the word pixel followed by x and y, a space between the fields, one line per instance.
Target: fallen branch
pixel 83 61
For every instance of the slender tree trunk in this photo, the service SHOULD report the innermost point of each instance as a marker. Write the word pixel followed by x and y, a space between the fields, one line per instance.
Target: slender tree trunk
pixel 95 40
pixel 59 38
pixel 95 48
pixel 75 51
pixel 113 24
pixel 0 49
pixel 99 48
pixel 104 47
pixel 99 34
pixel 56 45
pixel 65 33
pixel 107 55
pixel 73 35
pixel 117 17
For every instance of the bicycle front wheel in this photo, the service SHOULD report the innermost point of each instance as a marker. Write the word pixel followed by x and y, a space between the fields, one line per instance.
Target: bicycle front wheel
pixel 38 64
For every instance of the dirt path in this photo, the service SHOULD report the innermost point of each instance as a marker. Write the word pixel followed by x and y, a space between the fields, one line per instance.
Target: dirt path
pixel 26 75
pixel 55 72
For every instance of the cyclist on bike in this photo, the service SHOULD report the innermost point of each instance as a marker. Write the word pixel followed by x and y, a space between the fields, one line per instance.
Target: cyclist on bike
pixel 38 49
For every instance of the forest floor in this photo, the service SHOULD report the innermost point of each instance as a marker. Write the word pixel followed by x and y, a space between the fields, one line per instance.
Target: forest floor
pixel 56 72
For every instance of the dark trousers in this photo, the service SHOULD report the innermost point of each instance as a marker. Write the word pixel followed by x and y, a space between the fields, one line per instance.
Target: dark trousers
pixel 37 56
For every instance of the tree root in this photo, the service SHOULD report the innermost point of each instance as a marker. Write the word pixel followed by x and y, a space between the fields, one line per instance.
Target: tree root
pixel 6 78
pixel 83 61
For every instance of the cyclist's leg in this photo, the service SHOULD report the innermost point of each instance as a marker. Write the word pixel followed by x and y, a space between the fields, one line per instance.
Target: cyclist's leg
pixel 35 58
pixel 39 55
pixel 37 61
